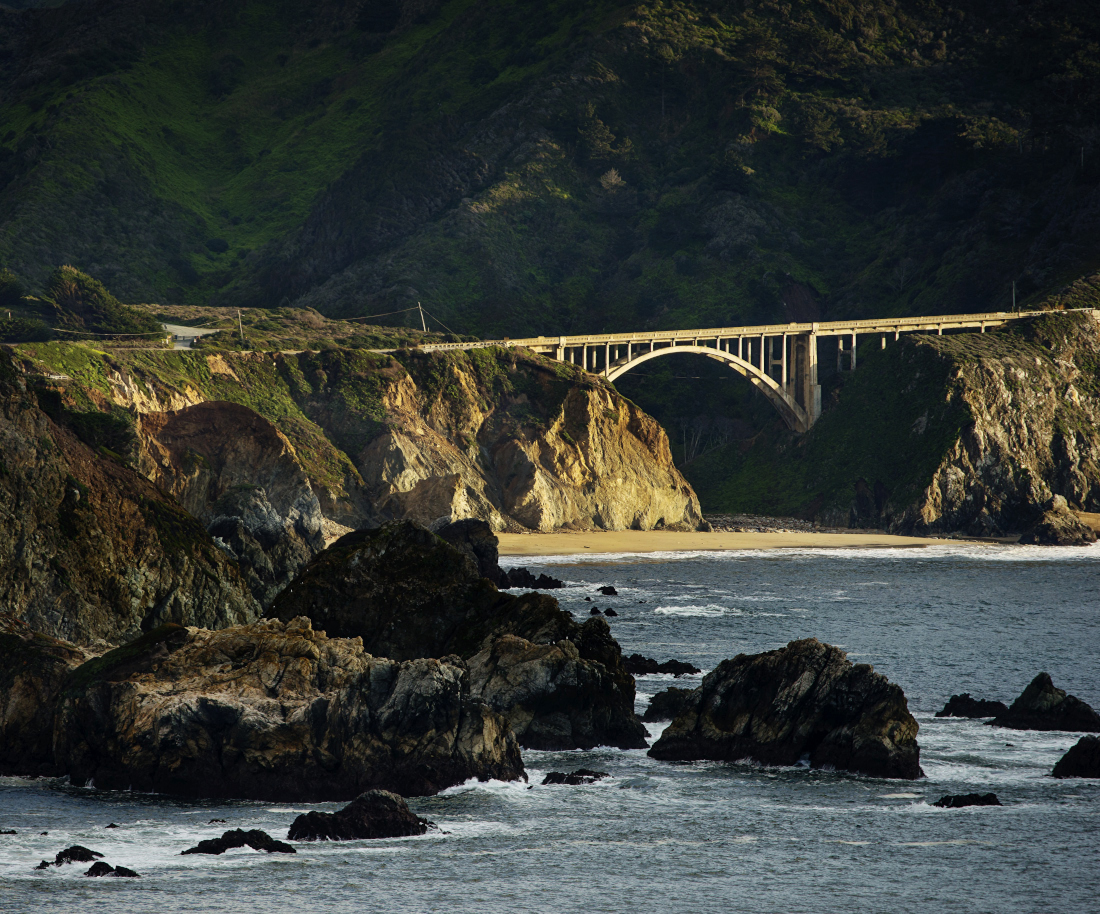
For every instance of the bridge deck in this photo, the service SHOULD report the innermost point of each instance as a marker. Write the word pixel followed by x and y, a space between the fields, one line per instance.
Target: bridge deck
pixel 821 328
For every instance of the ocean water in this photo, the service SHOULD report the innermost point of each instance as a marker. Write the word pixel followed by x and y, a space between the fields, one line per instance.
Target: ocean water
pixel 688 837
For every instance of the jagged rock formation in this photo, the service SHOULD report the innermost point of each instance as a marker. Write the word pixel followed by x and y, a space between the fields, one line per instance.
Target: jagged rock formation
pixel 275 711
pixel 1041 706
pixel 965 706
pixel 407 593
pixel 638 665
pixel 374 814
pixel 33 669
pixel 1058 526
pixel 91 550
pixel 237 837
pixel 239 475
pixel 669 704
pixel 804 700
pixel 1081 761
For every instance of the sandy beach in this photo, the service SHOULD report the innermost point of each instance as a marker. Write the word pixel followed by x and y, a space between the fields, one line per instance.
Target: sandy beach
pixel 668 541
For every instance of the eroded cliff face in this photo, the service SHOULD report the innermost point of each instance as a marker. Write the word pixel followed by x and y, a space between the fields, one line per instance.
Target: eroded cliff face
pixel 1033 398
pixel 89 549
pixel 358 438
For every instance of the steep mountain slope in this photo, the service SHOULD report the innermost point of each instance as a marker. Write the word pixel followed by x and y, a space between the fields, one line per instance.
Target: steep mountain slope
pixel 556 166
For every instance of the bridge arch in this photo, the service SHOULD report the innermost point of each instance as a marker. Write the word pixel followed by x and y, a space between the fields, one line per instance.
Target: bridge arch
pixel 793 414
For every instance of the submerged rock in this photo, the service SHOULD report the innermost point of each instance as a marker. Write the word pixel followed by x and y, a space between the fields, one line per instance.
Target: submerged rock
pixel 965 706
pixel 274 711
pixel 958 801
pixel 669 704
pixel 238 837
pixel 33 669
pixel 1041 706
pixel 374 814
pixel 1081 761
pixel 574 778
pixel 75 854
pixel 645 666
pixel 407 593
pixel 100 868
pixel 806 699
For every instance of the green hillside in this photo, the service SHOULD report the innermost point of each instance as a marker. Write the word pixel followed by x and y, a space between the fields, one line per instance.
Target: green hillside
pixel 556 166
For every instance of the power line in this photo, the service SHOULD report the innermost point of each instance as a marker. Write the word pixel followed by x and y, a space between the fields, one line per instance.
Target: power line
pixel 90 333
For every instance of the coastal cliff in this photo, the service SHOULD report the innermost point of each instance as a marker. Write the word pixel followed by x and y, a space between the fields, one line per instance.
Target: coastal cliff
pixel 985 434
pixel 357 438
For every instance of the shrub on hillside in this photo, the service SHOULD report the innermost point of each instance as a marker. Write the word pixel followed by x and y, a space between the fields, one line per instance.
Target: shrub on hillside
pixel 83 303
pixel 11 290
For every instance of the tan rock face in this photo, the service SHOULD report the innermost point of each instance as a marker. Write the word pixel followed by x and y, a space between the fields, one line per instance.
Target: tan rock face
pixel 1035 406
pixel 275 711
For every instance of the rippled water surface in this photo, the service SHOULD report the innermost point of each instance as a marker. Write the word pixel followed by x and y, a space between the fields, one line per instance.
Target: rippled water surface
pixel 689 837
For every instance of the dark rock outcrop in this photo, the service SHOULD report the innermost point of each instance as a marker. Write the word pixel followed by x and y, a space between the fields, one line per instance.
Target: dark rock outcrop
pixel 1058 526
pixel 554 698
pixel 407 594
pixel 804 700
pixel 374 814
pixel 274 711
pixel 608 591
pixel 669 704
pixel 101 868
pixel 965 706
pixel 574 778
pixel 959 800
pixel 33 668
pixel 643 666
pixel 238 837
pixel 75 854
pixel 1041 706
pixel 521 577
pixel 1081 761
pixel 90 549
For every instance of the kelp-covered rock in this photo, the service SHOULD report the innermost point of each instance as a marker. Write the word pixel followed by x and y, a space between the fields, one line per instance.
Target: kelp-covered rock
pixel 1041 706
pixel 555 699
pixel 1081 761
pixel 374 814
pixel 33 668
pixel 804 700
pixel 407 593
pixel 89 549
pixel 274 711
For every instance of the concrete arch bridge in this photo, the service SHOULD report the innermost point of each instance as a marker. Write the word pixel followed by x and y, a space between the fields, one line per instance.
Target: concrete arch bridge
pixel 781 360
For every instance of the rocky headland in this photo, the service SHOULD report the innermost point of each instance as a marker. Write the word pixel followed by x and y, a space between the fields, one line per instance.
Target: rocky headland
pixel 806 700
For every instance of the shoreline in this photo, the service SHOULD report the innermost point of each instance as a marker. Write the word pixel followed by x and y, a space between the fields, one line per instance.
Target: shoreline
pixel 643 541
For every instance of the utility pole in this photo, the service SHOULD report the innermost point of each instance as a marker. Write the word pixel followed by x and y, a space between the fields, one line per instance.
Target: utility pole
pixel 1014 295
pixel 240 326
pixel 423 326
